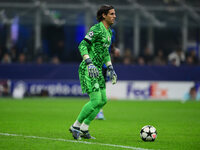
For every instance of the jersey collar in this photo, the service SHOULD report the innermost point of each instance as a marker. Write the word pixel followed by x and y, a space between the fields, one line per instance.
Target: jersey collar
pixel 101 23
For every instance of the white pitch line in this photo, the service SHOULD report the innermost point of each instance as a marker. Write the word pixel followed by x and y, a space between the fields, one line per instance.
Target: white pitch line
pixel 74 141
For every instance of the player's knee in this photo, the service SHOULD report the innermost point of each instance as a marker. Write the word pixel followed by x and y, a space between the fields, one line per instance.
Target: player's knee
pixel 103 102
pixel 96 103
pixel 95 99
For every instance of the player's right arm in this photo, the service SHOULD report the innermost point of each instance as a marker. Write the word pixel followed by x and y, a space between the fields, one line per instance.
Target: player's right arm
pixel 84 48
pixel 88 41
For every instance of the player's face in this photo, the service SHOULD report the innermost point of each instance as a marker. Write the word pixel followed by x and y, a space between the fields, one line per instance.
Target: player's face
pixel 110 17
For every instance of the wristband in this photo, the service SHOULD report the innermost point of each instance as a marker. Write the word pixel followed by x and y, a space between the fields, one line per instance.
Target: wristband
pixel 88 61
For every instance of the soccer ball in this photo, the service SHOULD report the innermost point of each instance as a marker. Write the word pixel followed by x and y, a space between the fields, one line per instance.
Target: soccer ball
pixel 148 133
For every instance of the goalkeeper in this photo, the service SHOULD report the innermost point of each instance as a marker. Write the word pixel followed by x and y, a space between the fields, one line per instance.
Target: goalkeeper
pixel 94 51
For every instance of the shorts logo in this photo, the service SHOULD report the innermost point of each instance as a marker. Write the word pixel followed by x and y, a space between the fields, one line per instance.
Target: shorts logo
pixel 96 85
pixel 91 33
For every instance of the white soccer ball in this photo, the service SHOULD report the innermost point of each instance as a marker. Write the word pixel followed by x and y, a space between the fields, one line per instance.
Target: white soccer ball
pixel 148 133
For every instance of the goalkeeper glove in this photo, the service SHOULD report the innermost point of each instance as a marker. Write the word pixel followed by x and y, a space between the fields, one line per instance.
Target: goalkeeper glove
pixel 92 70
pixel 112 75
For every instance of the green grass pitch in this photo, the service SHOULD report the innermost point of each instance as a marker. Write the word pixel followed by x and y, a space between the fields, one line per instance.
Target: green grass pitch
pixel 48 119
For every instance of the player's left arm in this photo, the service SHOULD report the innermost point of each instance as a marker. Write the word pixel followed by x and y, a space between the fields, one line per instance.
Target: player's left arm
pixel 110 70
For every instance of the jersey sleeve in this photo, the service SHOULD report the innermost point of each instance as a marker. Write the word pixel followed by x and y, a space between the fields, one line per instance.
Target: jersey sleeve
pixel 89 39
pixel 107 56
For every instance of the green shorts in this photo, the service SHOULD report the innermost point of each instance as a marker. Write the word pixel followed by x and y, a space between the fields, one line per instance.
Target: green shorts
pixel 89 84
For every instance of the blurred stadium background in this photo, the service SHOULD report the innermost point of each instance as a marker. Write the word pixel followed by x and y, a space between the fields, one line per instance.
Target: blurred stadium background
pixel 158 44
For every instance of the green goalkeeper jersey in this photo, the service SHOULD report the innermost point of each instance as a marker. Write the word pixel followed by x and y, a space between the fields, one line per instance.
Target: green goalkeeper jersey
pixel 95 44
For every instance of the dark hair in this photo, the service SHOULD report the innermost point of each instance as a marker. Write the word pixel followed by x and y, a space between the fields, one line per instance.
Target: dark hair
pixel 103 10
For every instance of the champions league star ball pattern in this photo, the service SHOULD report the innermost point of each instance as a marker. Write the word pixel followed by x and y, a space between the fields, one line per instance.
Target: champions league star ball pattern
pixel 148 133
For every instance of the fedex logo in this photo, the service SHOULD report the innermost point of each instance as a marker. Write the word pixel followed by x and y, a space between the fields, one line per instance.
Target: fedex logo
pixel 137 92
pixel 151 90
